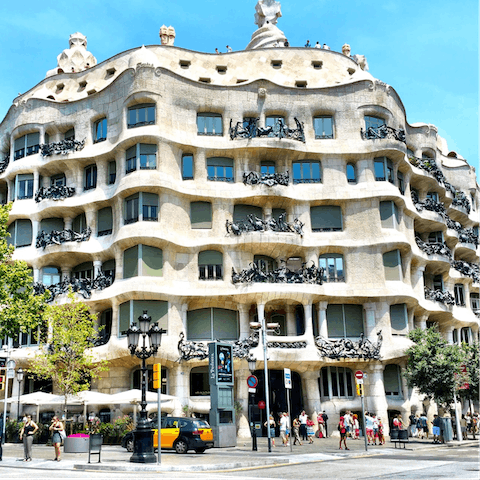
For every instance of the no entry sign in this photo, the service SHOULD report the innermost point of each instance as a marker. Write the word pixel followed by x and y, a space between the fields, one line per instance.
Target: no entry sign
pixel 359 374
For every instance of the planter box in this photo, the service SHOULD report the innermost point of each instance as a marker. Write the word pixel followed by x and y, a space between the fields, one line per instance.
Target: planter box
pixel 76 444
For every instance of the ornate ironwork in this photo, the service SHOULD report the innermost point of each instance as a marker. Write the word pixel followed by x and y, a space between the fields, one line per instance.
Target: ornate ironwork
pixel 287 344
pixel 268 179
pixel 430 166
pixel 434 248
pixel 250 129
pixel 442 296
pixel 383 131
pixel 346 348
pixel 54 192
pixel 468 269
pixel 63 147
pixel 83 286
pixel 255 274
pixel 461 200
pixel 429 204
pixel 4 163
pixel 56 237
pixel 255 224
pixel 465 235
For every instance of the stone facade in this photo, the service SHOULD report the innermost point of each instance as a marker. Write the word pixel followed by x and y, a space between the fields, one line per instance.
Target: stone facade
pixel 160 173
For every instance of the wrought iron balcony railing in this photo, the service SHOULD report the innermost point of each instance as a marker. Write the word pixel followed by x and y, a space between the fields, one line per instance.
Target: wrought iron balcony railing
pixel 63 147
pixel 346 348
pixel 83 286
pixel 461 200
pixel 255 274
pixel 250 129
pixel 468 269
pixel 434 248
pixel 254 224
pixel 4 163
pixel 54 192
pixel 465 235
pixel 268 179
pixel 429 204
pixel 56 237
pixel 383 131
pixel 442 296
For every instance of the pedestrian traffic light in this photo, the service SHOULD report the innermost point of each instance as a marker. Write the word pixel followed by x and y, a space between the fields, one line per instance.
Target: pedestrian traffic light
pixel 157 376
pixel 3 362
pixel 3 376
pixel 360 390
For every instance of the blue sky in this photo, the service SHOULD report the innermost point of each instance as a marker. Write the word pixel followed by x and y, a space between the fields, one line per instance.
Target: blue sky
pixel 427 50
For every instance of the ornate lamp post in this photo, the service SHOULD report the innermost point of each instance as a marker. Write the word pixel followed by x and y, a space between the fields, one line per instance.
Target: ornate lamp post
pixel 19 380
pixel 143 436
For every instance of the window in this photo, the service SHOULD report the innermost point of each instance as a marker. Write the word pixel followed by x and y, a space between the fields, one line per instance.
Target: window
pixel 187 167
pixel 112 172
pixel 210 265
pixel 472 201
pixel 58 180
pixel 199 382
pixel 209 124
pixel 307 172
pixel 140 115
pixel 141 155
pixel 392 380
pixel 435 237
pixel 392 263
pixel 131 310
pixel 459 291
pixel 220 169
pixel 142 261
pixel 326 218
pixel 475 302
pixel 389 214
pixel 83 271
pixel 264 263
pixel 137 385
pixel 79 223
pixel 108 268
pixel 105 221
pixel 455 336
pixel 384 170
pixel 351 173
pixel 466 335
pixel 50 275
pixel 267 167
pixel 332 263
pixel 100 131
pixel 399 319
pixel 241 212
pixel 323 127
pixel 336 382
pixel 69 134
pixel 433 196
pixel 48 225
pixel 20 233
pixel 401 182
pixel 344 321
pixel 201 214
pixel 24 186
pixel 373 122
pixel 438 283
pixel 274 121
pixel 90 175
pixel 212 324
pixel 143 203
pixel 29 143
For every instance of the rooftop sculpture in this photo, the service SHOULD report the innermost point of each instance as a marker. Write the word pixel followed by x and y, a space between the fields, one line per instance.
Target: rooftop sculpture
pixel 267 12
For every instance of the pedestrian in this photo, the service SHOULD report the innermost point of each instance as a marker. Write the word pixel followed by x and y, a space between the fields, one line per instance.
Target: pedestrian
pixel 56 428
pixel 381 437
pixel 317 45
pixel 413 425
pixel 216 51
pixel 436 429
pixel 307 45
pixel 26 433
pixel 271 425
pixel 355 428
pixel 463 427
pixel 347 420
pixel 369 428
pixel 1 436
pixel 375 429
pixel 296 431
pixel 343 434
pixel 310 430
pixel 325 419
pixel 423 425
pixel 398 422
pixel 326 47
pixel 303 425
pixel 321 426
pixel 229 48
pixel 283 422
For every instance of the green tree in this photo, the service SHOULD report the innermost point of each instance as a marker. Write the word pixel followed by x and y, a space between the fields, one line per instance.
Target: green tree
pixel 20 309
pixel 433 365
pixel 68 359
pixel 472 374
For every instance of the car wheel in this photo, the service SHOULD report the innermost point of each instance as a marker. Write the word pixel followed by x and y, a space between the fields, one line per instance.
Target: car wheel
pixel 181 446
pixel 129 445
pixel 200 450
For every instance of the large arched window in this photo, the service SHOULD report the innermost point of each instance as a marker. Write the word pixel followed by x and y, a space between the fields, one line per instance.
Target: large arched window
pixel 210 265
pixel 212 324
pixel 336 382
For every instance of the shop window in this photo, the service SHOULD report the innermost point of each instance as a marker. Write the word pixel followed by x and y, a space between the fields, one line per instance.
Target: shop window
pixel 351 173
pixel 399 319
pixel 333 266
pixel 209 124
pixel 212 324
pixel 210 265
pixel 90 177
pixel 307 172
pixel 201 215
pixel 326 218
pixel 20 233
pixel 220 169
pixel 344 321
pixel 140 115
pixel 26 145
pixel 100 130
pixel 130 311
pixel 459 291
pixel 389 214
pixel 142 260
pixel 105 221
pixel 187 167
pixel 392 263
pixel 384 170
pixel 323 126
pixel 392 380
pixel 336 382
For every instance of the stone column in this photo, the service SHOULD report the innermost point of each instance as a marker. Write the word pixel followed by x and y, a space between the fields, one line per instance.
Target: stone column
pixel 406 396
pixel 183 313
pixel 291 324
pixel 67 223
pixel 91 217
pixel 241 376
pixel 36 182
pixel 97 267
pixel 307 309
pixel 267 212
pixel 370 321
pixel 244 323
pixel 449 335
pixel 311 392
pixel 118 214
pixel 200 166
pixel 35 230
pixel 422 322
pixel 375 394
pixel 418 283
pixel 36 275
pixel 179 383
pixel 66 273
pixel 11 189
pixel 322 319
pixel 115 320
pixel 118 263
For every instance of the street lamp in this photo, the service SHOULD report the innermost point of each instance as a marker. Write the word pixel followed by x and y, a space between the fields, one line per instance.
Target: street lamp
pixel 143 435
pixel 19 380
pixel 252 363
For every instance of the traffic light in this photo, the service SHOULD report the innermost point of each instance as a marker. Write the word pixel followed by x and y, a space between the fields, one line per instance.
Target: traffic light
pixel 3 362
pixel 3 376
pixel 360 390
pixel 157 375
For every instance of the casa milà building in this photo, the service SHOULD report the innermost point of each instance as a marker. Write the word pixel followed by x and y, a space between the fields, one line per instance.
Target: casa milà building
pixel 217 190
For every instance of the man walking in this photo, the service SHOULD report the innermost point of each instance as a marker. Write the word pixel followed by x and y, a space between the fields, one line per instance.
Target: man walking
pixel 303 425
pixel 325 419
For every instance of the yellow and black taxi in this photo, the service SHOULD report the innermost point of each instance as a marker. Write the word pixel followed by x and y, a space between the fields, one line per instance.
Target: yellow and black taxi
pixel 180 434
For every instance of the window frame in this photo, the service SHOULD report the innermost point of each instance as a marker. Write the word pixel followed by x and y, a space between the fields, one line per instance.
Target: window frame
pixel 373 122
pixel 90 177
pixel 210 271
pixel 353 167
pixel 323 261
pixel 135 110
pixel 211 164
pixel 346 323
pixel 206 117
pixel 459 294
pixel 388 170
pixel 185 167
pixel 26 150
pixel 24 183
pixel 398 266
pixel 100 130
pixel 319 208
pixel 135 163
pixel 394 394
pixel 14 236
pixel 331 386
pixel 324 135
pixel 312 176
pixel 138 205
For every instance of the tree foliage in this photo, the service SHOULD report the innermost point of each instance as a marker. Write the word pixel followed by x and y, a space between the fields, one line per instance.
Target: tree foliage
pixel 472 377
pixel 434 366
pixel 67 359
pixel 20 309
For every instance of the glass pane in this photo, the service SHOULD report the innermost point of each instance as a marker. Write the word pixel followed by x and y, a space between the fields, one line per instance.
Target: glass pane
pixel 335 325
pixel 187 167
pixel 353 320
pixel 379 170
pixel 351 177
pixel 200 124
pixel 199 324
pixel 218 125
pixel 152 259
pixel 297 171
pixel 130 262
pixel 225 325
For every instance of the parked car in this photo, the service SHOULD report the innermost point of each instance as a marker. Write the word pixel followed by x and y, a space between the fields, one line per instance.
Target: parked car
pixel 178 433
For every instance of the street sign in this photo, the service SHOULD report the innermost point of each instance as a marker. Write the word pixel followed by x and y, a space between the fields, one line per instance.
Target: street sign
pixel 359 374
pixel 252 381
pixel 11 364
pixel 261 405
pixel 10 373
pixel 252 390
pixel 359 381
pixel 287 374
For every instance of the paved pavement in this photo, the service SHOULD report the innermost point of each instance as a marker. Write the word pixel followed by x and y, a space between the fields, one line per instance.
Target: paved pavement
pixel 115 458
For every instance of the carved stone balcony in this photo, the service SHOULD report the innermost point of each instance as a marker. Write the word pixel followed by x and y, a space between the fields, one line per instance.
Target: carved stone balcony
pixel 268 179
pixel 383 131
pixel 441 296
pixel 254 274
pixel 54 193
pixel 434 248
pixel 251 129
pixel 4 163
pixel 254 224
pixel 61 148
pixel 346 348
pixel 56 237
pixel 83 286
pixel 468 269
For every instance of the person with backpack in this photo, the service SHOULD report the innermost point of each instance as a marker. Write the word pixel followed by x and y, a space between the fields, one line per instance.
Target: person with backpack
pixel 343 433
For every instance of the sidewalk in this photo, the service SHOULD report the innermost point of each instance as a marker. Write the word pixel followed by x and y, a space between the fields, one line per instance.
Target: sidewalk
pixel 115 458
